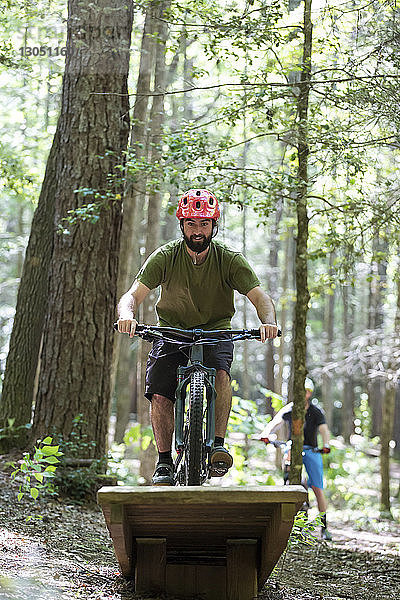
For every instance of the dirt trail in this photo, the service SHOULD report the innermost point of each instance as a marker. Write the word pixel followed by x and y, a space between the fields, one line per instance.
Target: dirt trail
pixel 68 554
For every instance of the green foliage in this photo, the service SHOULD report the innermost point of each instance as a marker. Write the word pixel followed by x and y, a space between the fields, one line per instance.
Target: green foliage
pixel 245 420
pixel 244 417
pixel 140 436
pixel 37 470
pixel 303 534
pixel 10 432
pixel 346 470
pixel 75 481
pixel 304 531
pixel 79 483
pixel 123 464
pixel 90 212
pixel 277 401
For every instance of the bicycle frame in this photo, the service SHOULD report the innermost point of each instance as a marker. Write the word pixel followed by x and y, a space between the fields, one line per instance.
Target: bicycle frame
pixel 184 374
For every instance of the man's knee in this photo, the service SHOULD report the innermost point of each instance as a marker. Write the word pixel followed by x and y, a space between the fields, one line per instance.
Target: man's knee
pixel 223 378
pixel 161 401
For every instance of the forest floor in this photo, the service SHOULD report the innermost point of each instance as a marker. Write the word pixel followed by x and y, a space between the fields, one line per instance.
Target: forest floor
pixel 64 551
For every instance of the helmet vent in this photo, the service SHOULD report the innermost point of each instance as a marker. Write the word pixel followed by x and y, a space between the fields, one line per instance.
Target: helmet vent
pixel 198 193
pixel 198 205
pixel 211 201
pixel 185 201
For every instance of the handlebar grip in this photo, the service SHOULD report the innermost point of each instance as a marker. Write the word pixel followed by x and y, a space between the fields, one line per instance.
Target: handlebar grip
pixel 139 328
pixel 256 333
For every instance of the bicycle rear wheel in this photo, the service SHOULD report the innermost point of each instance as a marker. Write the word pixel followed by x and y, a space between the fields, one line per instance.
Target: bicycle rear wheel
pixel 195 446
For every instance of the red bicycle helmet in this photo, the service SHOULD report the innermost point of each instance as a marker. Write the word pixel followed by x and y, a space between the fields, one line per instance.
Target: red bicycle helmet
pixel 198 204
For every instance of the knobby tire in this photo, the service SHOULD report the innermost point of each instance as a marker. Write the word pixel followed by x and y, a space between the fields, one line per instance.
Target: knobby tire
pixel 195 450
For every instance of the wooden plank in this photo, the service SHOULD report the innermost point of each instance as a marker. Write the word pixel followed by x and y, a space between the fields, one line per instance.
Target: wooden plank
pixel 275 539
pixel 121 534
pixel 150 565
pixel 241 569
pixel 222 521
pixel 203 581
pixel 201 495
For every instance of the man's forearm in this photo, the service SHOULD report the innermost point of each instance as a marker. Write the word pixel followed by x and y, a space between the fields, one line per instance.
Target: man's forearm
pixel 266 310
pixel 127 307
pixel 325 434
pixel 264 306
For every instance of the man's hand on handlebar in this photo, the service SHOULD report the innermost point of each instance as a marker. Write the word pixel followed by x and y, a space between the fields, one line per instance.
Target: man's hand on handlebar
pixel 265 440
pixel 127 326
pixel 325 450
pixel 267 331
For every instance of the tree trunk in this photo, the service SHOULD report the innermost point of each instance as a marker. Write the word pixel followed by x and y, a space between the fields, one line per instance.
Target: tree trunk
pixel 245 375
pixel 377 286
pixel 125 359
pixel 386 436
pixel 329 319
pixel 286 305
pixel 302 293
pixel 388 412
pixel 272 278
pixel 22 359
pixel 347 412
pixel 153 229
pixel 93 133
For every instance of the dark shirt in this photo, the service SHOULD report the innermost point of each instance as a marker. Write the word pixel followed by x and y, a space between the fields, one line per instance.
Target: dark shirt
pixel 313 419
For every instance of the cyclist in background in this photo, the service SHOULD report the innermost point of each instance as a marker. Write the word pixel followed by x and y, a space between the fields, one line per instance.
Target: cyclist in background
pixel 198 276
pixel 314 423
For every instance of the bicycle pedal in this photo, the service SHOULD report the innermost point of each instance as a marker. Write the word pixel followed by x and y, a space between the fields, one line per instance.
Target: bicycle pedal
pixel 218 469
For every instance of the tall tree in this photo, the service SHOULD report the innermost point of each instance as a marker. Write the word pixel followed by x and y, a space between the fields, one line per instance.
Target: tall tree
pixel 22 358
pixel 376 319
pixel 125 357
pixel 153 230
pixel 302 293
pixel 347 412
pixel 329 321
pixel 92 135
pixel 388 411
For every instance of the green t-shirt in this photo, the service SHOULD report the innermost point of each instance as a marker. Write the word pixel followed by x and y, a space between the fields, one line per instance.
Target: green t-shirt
pixel 197 295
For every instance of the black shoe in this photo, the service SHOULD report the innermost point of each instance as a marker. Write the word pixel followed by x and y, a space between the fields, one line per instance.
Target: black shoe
pixel 220 460
pixel 163 475
pixel 326 535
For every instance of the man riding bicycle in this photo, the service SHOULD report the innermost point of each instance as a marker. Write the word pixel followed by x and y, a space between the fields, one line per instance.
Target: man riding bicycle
pixel 197 276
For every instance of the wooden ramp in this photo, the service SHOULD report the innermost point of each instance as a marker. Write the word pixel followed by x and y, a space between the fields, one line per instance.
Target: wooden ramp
pixel 215 543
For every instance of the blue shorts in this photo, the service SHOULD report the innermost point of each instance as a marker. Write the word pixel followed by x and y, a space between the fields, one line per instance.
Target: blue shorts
pixel 313 464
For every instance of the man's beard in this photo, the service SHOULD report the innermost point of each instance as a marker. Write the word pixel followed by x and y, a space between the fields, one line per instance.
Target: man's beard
pixel 197 245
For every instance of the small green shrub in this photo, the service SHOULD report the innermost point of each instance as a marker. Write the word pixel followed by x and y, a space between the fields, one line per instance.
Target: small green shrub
pixel 37 471
pixel 303 530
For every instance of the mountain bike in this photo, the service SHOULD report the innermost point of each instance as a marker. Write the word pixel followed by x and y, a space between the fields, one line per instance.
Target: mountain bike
pixel 194 398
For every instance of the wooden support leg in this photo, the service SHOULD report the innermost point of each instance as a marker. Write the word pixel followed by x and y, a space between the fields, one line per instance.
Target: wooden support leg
pixel 150 564
pixel 241 569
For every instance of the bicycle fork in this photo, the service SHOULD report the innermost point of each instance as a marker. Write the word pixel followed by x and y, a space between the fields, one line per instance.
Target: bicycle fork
pixel 184 374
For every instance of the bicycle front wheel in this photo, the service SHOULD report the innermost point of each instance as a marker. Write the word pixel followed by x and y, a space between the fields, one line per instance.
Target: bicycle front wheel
pixel 195 449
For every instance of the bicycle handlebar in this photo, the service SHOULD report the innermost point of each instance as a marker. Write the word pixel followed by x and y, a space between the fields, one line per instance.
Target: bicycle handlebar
pixel 288 443
pixel 194 335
